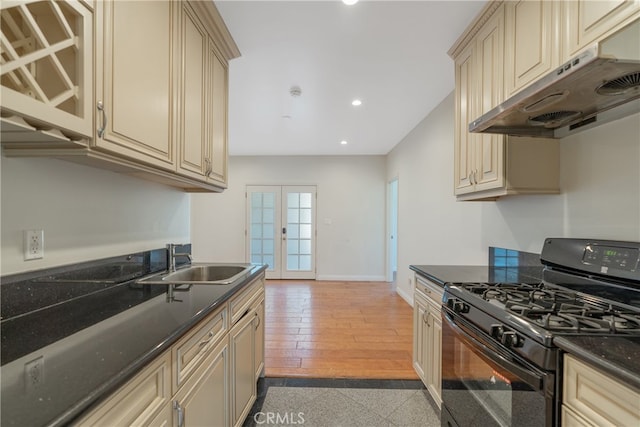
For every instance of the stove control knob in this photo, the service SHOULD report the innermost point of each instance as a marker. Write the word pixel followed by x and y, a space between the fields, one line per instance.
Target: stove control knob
pixel 511 339
pixel 459 306
pixel 497 331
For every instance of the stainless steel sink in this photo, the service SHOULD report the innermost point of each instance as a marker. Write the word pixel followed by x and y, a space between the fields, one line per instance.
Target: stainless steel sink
pixel 208 274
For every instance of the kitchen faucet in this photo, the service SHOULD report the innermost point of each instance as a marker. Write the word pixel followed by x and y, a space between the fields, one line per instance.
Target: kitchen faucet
pixel 172 254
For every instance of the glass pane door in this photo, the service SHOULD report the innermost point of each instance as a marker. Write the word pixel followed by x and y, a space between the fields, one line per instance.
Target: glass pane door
pixel 299 232
pixel 281 230
pixel 263 223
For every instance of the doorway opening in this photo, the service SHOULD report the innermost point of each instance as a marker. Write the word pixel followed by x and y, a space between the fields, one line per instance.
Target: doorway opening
pixel 281 230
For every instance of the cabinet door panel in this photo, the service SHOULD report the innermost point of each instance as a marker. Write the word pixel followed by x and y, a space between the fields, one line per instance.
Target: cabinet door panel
pixel 588 20
pixel 135 79
pixel 259 338
pixel 465 110
pixel 531 51
pixel 218 128
pixel 489 160
pixel 204 398
pixel 243 384
pixel 194 97
pixel 420 337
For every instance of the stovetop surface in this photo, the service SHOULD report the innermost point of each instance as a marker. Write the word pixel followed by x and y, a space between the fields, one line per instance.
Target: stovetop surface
pixel 561 310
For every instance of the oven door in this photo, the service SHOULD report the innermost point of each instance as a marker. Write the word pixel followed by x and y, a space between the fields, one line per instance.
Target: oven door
pixel 484 384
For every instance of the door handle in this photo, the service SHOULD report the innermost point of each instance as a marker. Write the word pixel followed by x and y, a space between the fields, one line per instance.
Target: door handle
pixel 284 233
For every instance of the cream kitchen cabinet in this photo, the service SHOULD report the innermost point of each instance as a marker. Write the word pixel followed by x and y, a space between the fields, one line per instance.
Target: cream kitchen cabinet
pixel 208 377
pixel 246 342
pixel 202 150
pixel 591 398
pixel 161 115
pixel 588 21
pixel 531 36
pixel 135 92
pixel 144 398
pixel 427 336
pixel 47 70
pixel 488 166
pixel 204 399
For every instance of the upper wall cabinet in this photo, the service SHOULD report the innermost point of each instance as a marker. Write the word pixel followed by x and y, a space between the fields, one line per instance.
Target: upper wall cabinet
pixel 532 47
pixel 203 118
pixel 160 109
pixel 135 94
pixel 588 21
pixel 46 86
pixel 488 166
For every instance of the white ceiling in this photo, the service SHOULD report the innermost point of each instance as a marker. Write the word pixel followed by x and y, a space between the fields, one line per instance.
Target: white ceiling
pixel 390 54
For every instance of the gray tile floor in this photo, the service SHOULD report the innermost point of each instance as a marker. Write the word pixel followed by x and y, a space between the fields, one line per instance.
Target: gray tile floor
pixel 319 406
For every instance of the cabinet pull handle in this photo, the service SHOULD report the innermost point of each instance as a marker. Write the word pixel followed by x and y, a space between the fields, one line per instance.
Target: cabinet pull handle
pixel 104 119
pixel 208 340
pixel 258 321
pixel 180 411
pixel 425 318
pixel 209 168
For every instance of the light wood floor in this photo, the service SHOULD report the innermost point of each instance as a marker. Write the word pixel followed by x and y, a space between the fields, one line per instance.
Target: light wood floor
pixel 323 329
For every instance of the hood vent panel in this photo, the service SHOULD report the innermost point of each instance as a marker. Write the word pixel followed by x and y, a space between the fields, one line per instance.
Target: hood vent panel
pixel 600 84
pixel 621 85
pixel 554 119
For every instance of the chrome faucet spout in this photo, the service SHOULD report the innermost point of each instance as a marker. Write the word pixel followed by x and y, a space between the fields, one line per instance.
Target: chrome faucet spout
pixel 172 255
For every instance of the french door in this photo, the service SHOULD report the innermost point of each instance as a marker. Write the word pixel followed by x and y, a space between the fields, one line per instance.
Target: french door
pixel 281 230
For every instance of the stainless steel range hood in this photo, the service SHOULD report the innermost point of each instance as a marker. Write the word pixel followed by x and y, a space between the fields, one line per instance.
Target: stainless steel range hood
pixel 601 84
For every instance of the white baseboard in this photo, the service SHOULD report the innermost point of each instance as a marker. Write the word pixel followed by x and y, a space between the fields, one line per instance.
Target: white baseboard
pixel 405 296
pixel 329 277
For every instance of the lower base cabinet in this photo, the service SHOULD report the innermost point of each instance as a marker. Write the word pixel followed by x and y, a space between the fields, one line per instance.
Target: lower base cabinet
pixel 203 400
pixel 427 336
pixel 207 378
pixel 592 398
pixel 243 380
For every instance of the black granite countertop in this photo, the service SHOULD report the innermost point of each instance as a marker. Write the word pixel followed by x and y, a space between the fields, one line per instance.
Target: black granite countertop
pixel 93 344
pixel 617 356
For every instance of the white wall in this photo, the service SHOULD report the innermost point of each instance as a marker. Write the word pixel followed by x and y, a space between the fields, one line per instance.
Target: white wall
pixel 86 213
pixel 351 194
pixel 600 184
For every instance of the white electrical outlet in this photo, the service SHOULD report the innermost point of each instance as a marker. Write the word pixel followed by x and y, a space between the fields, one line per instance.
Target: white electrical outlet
pixel 33 244
pixel 34 374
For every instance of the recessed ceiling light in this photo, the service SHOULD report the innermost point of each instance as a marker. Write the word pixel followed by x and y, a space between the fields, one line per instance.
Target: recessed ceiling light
pixel 356 102
pixel 343 142
pixel 349 2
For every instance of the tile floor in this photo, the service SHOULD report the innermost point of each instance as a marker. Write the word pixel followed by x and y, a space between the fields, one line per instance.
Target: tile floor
pixel 342 402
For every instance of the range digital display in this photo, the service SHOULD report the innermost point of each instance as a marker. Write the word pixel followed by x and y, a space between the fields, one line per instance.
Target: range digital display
pixel 612 257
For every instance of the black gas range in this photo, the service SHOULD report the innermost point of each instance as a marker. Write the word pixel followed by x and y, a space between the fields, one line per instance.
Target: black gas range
pixel 499 359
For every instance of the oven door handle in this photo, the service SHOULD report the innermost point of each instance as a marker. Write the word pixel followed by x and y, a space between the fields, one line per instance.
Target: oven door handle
pixel 531 378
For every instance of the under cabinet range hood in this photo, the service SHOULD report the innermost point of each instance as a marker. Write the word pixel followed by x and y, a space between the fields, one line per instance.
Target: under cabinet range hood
pixel 600 84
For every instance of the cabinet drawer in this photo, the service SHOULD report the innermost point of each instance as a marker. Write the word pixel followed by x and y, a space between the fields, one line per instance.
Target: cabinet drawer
pixel 597 397
pixel 189 352
pixel 139 401
pixel 239 305
pixel 428 289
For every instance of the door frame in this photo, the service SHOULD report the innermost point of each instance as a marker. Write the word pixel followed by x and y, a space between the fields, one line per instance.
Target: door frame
pixel 393 200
